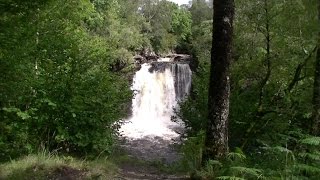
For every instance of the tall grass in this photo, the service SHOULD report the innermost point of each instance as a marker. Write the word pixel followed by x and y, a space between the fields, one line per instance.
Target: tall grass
pixel 46 165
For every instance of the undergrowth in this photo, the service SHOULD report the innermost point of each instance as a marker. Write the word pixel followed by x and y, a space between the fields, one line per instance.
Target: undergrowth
pixel 45 165
pixel 297 157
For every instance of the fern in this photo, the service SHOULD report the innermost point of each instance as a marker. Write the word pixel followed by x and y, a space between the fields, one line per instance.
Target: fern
pixel 308 168
pixel 281 149
pixel 192 150
pixel 230 178
pixel 315 156
pixel 234 156
pixel 214 163
pixel 296 134
pixel 247 171
pixel 313 141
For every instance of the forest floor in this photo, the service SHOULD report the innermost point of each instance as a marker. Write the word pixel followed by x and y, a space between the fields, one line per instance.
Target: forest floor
pixel 147 158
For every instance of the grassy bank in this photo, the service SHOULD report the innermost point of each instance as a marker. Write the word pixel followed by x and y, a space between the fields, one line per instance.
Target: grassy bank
pixel 44 166
pixel 49 166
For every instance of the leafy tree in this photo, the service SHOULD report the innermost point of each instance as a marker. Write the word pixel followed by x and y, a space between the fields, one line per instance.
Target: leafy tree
pixel 200 11
pixel 181 23
pixel 59 90
pixel 170 25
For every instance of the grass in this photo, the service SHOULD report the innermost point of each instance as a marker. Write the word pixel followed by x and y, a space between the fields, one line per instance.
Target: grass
pixel 49 166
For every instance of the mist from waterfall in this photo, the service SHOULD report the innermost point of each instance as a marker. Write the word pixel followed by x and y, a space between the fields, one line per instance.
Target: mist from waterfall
pixel 158 87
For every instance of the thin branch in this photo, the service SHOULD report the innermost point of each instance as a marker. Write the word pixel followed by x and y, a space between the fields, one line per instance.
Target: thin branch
pixel 297 74
pixel 268 58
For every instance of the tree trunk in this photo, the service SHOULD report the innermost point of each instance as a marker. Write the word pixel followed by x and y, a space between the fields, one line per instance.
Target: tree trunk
pixel 219 86
pixel 316 89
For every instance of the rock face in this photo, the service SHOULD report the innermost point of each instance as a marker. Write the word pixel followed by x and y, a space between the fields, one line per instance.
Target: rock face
pixel 180 57
pixel 151 58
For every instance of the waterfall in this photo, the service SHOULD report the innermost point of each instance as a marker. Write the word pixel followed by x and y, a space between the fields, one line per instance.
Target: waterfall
pixel 182 74
pixel 158 88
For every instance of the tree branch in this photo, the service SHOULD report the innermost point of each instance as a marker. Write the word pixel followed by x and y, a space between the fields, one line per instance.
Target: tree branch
pixel 296 77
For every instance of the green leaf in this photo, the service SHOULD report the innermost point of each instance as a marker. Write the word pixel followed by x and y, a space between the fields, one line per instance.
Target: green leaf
pixel 11 109
pixel 23 115
pixel 314 141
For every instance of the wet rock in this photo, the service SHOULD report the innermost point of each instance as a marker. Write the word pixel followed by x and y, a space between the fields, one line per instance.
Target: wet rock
pixel 159 66
pixel 180 57
pixel 152 149
pixel 153 58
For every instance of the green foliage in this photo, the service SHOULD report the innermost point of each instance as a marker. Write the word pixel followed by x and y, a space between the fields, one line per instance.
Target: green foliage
pixel 312 141
pixel 192 152
pixel 297 158
pixel 170 26
pixel 201 11
pixel 269 121
pixel 278 107
pixel 194 110
pixel 63 64
pixel 233 167
pixel 181 23
pixel 58 88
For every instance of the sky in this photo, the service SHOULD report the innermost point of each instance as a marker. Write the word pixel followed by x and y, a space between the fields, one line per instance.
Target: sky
pixel 180 1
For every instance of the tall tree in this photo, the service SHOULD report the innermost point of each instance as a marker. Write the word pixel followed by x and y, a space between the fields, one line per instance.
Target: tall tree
pixel 219 87
pixel 316 89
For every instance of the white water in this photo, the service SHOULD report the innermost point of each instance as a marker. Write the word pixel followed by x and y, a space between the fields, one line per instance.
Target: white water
pixel 156 95
pixel 164 60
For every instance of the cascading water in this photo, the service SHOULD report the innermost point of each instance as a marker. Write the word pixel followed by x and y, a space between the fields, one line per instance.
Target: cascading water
pixel 158 87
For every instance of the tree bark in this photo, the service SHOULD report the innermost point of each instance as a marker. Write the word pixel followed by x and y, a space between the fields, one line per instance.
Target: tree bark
pixel 216 141
pixel 315 129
